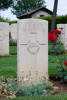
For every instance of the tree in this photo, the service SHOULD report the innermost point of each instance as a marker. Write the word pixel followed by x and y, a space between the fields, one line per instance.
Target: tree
pixel 5 4
pixel 54 15
pixel 22 6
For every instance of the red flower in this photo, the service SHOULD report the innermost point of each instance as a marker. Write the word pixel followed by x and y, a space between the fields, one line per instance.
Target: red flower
pixel 51 89
pixel 65 63
pixel 61 28
pixel 55 32
pixel 49 32
pixel 52 37
pixel 58 32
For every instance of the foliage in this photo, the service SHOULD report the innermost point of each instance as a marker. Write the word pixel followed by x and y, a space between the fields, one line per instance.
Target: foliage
pixel 5 4
pixel 22 6
pixel 12 22
pixel 11 89
pixel 59 20
pixel 53 62
pixel 55 44
pixel 35 90
pixel 63 71
pixel 3 20
pixel 12 42
pixel 13 50
pixel 8 87
pixel 49 19
pixel 56 47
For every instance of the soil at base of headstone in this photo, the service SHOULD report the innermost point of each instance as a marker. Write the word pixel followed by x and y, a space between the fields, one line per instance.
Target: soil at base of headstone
pixel 3 97
pixel 62 86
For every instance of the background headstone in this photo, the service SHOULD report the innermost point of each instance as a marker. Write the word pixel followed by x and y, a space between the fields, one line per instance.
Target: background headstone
pixel 63 35
pixel 13 30
pixel 32 51
pixel 62 32
pixel 65 40
pixel 4 38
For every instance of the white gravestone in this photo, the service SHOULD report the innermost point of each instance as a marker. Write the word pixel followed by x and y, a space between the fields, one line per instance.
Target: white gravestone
pixel 65 40
pixel 13 31
pixel 63 36
pixel 62 32
pixel 32 51
pixel 4 38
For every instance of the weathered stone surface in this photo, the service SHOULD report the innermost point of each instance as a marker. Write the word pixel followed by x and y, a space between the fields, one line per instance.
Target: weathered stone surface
pixel 32 51
pixel 13 30
pixel 62 32
pixel 63 36
pixel 4 38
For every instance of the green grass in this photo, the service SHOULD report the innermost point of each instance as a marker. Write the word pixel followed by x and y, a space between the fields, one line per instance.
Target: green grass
pixel 53 63
pixel 8 64
pixel 50 97
pixel 55 97
pixel 13 50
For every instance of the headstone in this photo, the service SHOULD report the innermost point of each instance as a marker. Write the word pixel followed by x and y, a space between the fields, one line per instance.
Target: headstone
pixel 13 31
pixel 63 35
pixel 4 38
pixel 32 51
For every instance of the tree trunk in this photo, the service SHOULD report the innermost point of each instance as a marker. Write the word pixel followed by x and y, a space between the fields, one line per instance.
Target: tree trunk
pixel 54 15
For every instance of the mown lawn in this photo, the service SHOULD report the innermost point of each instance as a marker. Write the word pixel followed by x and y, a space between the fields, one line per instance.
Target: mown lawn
pixel 55 97
pixel 53 62
pixel 51 97
pixel 8 64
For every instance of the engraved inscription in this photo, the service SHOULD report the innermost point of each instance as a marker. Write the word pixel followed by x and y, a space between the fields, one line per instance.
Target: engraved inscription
pixel 33 33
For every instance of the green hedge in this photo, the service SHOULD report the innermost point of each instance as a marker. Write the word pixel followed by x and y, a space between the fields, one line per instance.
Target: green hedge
pixel 3 20
pixel 59 20
pixel 7 20
pixel 12 22
pixel 49 18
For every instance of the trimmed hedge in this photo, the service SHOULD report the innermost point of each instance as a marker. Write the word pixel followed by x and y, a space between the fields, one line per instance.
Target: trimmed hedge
pixel 12 22
pixel 59 20
pixel 6 20
pixel 49 18
pixel 3 20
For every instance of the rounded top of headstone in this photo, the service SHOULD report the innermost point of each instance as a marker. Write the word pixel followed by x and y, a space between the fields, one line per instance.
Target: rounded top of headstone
pixel 33 29
pixel 33 20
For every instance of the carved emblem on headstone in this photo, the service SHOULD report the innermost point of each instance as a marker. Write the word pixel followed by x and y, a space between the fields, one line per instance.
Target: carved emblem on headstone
pixel 33 47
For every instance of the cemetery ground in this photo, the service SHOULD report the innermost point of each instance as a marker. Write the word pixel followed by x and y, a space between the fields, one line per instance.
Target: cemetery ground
pixel 8 68
pixel 8 64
